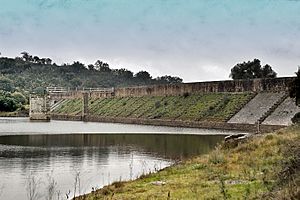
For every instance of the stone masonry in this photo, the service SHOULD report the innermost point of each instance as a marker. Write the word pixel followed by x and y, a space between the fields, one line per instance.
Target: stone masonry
pixel 39 108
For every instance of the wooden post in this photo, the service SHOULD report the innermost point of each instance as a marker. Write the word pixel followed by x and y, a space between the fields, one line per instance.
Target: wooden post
pixel 258 126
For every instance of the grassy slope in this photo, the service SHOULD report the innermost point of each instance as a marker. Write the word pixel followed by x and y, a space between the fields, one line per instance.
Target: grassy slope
pixel 263 167
pixel 197 107
pixel 71 107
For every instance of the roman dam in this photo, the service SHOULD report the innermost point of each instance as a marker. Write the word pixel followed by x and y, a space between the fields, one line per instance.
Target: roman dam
pixel 247 105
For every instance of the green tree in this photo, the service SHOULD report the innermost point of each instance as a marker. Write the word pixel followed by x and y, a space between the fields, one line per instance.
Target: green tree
pixel 36 59
pixel 143 75
pixel 267 72
pixel 102 67
pixel 78 67
pixel 25 56
pixel 251 70
pixel 39 90
pixel 42 61
pixel 48 61
pixel 91 67
pixel 168 80
pixel 75 82
pixel 19 98
pixel 123 73
pixel 295 88
pixel 6 84
pixel 7 103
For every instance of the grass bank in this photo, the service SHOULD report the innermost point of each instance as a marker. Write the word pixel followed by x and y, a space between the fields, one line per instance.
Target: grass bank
pixel 18 113
pixel 261 167
pixel 216 107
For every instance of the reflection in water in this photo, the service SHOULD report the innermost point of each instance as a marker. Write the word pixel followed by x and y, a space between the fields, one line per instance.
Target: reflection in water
pixel 22 126
pixel 100 159
pixel 50 149
pixel 167 146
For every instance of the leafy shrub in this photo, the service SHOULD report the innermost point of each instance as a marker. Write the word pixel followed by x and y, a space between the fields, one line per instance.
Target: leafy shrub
pixel 186 94
pixel 6 84
pixel 118 184
pixel 8 104
pixel 296 118
pixel 19 97
pixel 217 157
pixel 39 90
pixel 157 104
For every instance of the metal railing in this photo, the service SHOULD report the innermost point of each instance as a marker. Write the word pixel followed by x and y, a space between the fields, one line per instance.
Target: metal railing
pixel 98 89
pixel 65 90
pixel 57 89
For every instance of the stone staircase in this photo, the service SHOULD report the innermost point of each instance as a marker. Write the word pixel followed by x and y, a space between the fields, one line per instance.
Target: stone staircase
pixel 283 113
pixel 257 107
pixel 272 108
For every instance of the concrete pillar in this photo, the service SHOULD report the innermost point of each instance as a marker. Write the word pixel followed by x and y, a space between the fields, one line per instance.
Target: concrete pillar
pixel 85 109
pixel 39 108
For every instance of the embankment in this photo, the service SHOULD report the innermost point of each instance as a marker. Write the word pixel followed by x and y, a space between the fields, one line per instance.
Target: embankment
pixel 200 110
pixel 245 105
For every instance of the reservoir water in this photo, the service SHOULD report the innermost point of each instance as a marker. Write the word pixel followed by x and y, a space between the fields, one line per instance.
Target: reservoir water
pixel 36 155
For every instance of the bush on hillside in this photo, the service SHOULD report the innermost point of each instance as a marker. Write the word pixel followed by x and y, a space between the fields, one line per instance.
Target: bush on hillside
pixel 8 104
pixel 186 94
pixel 6 84
pixel 296 118
pixel 11 102
pixel 19 97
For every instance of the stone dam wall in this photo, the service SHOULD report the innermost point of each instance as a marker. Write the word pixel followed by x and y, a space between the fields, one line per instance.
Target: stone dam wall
pixel 253 85
pixel 269 109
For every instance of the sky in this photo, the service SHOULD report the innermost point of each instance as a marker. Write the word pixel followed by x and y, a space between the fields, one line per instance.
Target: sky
pixel 197 40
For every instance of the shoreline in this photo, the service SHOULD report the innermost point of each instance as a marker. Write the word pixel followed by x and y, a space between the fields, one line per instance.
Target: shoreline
pixel 106 128
pixel 14 114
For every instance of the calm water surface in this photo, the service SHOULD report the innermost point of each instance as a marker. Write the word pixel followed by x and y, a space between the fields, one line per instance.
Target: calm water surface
pixel 99 153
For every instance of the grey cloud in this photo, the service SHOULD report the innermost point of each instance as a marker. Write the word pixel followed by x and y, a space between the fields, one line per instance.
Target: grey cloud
pixel 191 39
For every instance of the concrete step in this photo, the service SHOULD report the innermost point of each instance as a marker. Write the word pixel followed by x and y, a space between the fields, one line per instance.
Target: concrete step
pixel 257 107
pixel 283 114
pixel 273 108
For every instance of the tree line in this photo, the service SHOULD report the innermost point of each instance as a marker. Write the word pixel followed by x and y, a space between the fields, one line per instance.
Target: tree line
pixel 22 75
pixel 29 73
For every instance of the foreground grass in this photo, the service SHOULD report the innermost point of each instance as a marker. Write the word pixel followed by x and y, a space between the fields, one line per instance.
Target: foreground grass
pixel 263 167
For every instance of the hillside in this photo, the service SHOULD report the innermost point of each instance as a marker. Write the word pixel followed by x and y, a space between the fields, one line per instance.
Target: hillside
pixel 21 76
pixel 29 74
